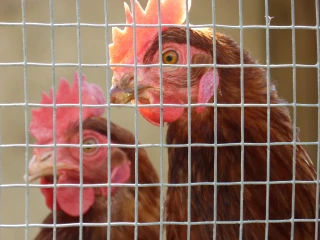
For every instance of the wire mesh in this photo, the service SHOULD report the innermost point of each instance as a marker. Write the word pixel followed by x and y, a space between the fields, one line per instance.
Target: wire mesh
pixel 318 150
pixel 80 65
pixel 268 116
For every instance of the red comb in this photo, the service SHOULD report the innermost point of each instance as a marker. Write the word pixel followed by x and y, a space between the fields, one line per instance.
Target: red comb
pixel 41 126
pixel 172 12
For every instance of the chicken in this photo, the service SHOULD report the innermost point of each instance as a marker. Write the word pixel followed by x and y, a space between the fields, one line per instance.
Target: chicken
pixel 265 212
pixel 94 205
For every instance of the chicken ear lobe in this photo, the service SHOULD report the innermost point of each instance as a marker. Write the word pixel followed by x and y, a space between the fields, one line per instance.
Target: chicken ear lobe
pixel 207 84
pixel 208 79
pixel 121 174
pixel 68 198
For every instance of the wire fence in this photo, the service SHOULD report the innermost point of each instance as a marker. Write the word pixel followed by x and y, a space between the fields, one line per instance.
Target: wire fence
pixel 54 65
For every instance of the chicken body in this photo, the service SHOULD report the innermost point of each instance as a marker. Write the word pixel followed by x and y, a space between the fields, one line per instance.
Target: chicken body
pixel 122 200
pixel 92 160
pixel 283 157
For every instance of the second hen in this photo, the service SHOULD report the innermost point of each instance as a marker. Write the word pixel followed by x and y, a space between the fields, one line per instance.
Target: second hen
pixel 95 170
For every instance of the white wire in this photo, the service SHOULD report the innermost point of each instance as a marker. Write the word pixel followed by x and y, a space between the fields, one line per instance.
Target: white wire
pixel 156 25
pixel 268 116
pixel 54 110
pixel 189 122
pixel 136 138
pixel 215 124
pixel 162 209
pixel 80 121
pixel 97 185
pixel 108 121
pixel 164 104
pixel 318 147
pixel 26 120
pixel 32 225
pixel 159 145
pixel 7 64
pixel 242 119
pixel 294 120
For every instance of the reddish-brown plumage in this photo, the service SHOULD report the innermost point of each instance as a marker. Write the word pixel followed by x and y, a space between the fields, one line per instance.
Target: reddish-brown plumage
pixel 229 157
pixel 122 201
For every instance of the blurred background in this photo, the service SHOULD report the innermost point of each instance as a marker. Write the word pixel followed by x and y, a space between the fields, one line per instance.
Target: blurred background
pixel 93 51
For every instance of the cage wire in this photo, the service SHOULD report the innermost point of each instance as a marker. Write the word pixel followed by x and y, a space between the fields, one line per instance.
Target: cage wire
pixel 162 145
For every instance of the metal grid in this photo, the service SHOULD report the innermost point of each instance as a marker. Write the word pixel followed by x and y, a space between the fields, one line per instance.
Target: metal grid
pixel 162 145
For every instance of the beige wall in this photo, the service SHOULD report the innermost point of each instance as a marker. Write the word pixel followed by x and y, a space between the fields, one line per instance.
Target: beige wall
pixel 12 121
pixel 306 53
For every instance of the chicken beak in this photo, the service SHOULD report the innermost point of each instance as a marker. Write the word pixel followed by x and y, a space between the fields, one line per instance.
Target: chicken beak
pixel 122 90
pixel 40 166
pixel 118 95
pixel 43 165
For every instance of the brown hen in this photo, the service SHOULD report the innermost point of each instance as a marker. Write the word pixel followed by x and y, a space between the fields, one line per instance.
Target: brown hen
pixel 285 218
pixel 94 206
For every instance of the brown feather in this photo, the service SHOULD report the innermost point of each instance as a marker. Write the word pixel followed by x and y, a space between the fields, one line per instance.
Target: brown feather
pixel 229 157
pixel 122 202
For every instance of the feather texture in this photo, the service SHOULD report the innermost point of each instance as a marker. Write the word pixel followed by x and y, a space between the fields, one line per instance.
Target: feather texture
pixel 281 209
pixel 122 202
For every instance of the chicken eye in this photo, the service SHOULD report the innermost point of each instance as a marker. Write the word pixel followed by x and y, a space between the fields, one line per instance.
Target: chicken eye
pixel 170 57
pixel 89 141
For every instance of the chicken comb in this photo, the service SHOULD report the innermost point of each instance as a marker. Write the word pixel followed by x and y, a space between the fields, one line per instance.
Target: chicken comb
pixel 41 126
pixel 172 12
